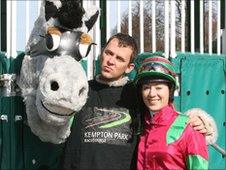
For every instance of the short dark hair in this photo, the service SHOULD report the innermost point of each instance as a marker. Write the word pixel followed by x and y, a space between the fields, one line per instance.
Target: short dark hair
pixel 125 40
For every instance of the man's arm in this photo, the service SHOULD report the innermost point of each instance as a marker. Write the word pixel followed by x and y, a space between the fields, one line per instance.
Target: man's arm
pixel 204 123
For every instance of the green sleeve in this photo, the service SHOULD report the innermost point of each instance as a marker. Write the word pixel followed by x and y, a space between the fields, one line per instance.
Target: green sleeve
pixel 196 162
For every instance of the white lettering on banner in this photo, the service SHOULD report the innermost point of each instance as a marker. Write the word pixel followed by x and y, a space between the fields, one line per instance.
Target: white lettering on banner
pixel 102 137
pixel 98 134
pixel 121 136
pixel 95 140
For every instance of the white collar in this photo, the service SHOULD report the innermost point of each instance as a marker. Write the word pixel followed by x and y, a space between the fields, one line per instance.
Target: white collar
pixel 121 82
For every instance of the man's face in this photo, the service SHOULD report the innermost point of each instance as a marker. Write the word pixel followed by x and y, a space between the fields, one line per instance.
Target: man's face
pixel 115 61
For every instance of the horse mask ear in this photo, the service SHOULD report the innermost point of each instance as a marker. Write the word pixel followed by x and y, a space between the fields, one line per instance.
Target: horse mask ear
pixel 89 23
pixel 50 10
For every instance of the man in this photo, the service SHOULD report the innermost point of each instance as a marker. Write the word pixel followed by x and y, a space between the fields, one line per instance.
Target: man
pixel 104 133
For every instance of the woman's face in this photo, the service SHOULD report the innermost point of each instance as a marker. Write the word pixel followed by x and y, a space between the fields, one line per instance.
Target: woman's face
pixel 155 96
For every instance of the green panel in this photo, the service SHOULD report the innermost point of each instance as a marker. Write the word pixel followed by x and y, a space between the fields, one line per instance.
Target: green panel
pixel 203 86
pixel 19 148
pixel 5 135
pixel 5 155
pixel 12 157
pixel 5 63
pixel 11 130
pixel 38 154
pixel 17 133
pixel 84 64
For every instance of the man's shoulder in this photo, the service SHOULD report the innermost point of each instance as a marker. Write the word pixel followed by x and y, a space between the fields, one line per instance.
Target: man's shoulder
pixel 128 94
pixel 129 87
pixel 130 84
pixel 94 85
pixel 91 81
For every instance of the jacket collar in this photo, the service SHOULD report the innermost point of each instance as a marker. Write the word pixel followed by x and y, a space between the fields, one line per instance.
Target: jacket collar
pixel 117 83
pixel 163 117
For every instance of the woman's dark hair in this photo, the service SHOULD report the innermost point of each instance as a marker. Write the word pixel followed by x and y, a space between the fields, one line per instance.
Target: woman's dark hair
pixel 149 79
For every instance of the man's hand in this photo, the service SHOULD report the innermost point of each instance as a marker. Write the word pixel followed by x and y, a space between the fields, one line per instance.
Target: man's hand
pixel 196 122
pixel 203 123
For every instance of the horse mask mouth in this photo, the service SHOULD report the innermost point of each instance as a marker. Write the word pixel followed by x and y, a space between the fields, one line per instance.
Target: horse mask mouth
pixel 57 110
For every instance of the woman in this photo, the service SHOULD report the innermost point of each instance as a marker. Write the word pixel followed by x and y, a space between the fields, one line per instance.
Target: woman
pixel 167 141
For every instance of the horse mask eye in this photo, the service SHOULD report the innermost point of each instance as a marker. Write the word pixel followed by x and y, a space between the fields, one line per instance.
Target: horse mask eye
pixel 84 49
pixel 73 43
pixel 85 45
pixel 52 41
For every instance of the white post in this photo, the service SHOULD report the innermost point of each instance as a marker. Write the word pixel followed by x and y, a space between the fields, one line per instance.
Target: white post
pixel 8 26
pixel 27 19
pixel 210 26
pixel 39 6
pixel 153 26
pixel 166 29
pixel 141 26
pixel 11 29
pixel 90 58
pixel 14 28
pixel 218 27
pixel 224 35
pixel 183 25
pixel 96 35
pixel 192 26
pixel 119 17
pixel 130 18
pixel 201 28
pixel 173 29
pixel 108 19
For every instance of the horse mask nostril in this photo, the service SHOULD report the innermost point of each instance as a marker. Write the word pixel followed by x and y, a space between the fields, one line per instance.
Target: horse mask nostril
pixel 81 91
pixel 54 86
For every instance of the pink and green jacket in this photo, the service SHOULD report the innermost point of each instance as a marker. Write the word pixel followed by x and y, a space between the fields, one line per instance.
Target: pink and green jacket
pixel 170 143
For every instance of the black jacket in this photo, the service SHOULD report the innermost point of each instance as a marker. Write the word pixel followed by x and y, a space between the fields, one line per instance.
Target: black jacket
pixel 104 132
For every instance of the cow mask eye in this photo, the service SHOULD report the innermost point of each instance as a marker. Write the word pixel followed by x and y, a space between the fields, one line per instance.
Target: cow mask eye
pixel 52 41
